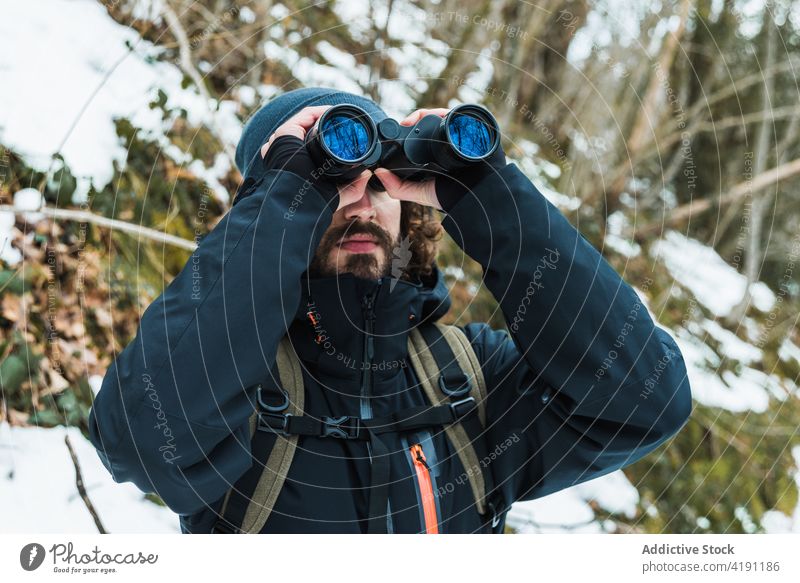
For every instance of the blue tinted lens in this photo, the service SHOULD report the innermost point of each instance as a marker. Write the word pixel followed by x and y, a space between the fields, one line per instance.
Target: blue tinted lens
pixel 346 137
pixel 469 135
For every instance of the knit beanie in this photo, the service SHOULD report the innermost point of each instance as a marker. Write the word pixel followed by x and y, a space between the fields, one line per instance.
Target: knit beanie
pixel 273 114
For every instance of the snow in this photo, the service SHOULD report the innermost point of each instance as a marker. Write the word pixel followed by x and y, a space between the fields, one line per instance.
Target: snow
pixel 738 395
pixel 311 73
pixel 148 10
pixel 789 350
pixel 408 22
pixel 569 510
pixel 608 20
pixel 247 95
pixel 66 62
pixel 10 255
pixel 776 522
pixel 455 272
pixel 539 171
pixel 95 382
pixel 247 15
pixel 617 225
pixel 279 12
pixel 417 56
pixel 731 346
pixel 37 486
pixel 717 285
pixel 221 167
pixel 337 57
pixel 29 199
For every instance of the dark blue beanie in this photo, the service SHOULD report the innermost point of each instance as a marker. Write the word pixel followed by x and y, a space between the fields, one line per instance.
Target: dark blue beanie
pixel 267 119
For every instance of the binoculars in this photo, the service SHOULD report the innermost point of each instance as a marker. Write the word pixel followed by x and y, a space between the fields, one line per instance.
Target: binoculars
pixel 345 141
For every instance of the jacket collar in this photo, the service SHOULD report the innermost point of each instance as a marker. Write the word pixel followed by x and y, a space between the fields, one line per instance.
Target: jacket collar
pixel 336 314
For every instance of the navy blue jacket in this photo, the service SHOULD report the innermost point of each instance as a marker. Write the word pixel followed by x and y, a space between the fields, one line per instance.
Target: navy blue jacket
pixel 584 383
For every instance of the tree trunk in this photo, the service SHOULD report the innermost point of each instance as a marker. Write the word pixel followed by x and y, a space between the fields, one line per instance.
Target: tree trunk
pixel 763 201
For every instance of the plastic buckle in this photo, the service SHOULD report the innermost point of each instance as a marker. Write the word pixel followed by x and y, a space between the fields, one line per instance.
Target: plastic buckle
pixel 464 386
pixel 271 408
pixel 264 425
pixel 335 427
pixel 495 517
pixel 456 407
pixel 497 508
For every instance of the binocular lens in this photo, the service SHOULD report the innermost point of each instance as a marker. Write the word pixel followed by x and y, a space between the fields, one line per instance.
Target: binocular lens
pixel 346 137
pixel 471 136
pixel 345 140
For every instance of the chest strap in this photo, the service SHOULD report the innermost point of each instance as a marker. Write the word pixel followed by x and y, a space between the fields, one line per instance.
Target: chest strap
pixel 346 427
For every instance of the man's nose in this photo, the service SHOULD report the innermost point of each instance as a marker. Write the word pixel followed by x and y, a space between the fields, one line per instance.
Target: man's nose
pixel 362 209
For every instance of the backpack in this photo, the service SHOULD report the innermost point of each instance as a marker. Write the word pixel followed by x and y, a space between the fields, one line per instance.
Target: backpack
pixel 448 370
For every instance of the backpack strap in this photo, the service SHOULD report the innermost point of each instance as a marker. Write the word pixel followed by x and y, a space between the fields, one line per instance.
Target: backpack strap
pixel 248 504
pixel 448 370
pixel 440 356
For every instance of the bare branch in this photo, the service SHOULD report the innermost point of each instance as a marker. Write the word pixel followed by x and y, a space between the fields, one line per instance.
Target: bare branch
pixel 113 224
pixel 82 489
pixel 741 190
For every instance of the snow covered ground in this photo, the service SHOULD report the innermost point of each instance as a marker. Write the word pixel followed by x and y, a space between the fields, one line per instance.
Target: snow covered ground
pixel 38 491
pixel 569 510
pixel 69 70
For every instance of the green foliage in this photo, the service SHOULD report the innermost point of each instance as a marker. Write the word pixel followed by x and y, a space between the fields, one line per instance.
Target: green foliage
pixel 719 463
pixel 12 281
pixel 19 369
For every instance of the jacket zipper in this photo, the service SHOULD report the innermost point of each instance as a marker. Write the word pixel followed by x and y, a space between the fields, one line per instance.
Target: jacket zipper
pixel 368 353
pixel 368 306
pixel 425 488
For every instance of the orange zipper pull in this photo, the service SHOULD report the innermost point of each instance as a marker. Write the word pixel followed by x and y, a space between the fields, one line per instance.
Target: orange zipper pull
pixel 425 489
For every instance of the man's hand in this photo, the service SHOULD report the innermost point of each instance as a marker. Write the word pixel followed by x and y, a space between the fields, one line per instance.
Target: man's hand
pixel 423 193
pixel 446 189
pixel 291 155
pixel 297 125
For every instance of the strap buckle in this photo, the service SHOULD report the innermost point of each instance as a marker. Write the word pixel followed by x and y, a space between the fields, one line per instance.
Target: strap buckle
pixel 462 407
pixel 461 383
pixel 498 508
pixel 272 408
pixel 344 427
pixel 279 428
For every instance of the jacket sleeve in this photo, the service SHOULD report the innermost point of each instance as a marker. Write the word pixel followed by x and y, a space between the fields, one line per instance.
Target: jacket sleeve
pixel 583 383
pixel 172 412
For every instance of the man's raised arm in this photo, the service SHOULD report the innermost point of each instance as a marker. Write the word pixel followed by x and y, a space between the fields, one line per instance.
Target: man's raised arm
pixel 172 413
pixel 586 379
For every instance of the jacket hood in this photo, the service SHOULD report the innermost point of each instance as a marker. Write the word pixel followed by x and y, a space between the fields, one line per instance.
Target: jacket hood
pixel 427 299
pixel 336 313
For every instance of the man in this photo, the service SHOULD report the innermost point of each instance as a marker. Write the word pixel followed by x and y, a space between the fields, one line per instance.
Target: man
pixel 583 385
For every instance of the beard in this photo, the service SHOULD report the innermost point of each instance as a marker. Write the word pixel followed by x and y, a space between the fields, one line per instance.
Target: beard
pixel 363 265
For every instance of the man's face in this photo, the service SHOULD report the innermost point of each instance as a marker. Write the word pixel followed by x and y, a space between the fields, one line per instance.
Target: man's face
pixel 361 237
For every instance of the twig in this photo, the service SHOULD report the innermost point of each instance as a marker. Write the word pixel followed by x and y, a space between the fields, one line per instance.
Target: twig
pixel 114 224
pixel 186 63
pixel 690 210
pixel 82 489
